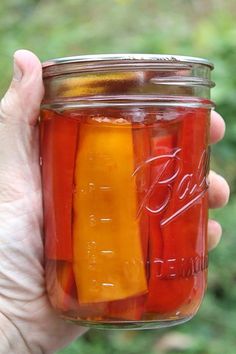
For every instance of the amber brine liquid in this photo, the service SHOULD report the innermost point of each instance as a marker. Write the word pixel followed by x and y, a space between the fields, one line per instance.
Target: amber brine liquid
pixel 125 210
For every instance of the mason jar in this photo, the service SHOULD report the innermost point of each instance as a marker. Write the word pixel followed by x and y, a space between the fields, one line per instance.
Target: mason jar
pixel 125 160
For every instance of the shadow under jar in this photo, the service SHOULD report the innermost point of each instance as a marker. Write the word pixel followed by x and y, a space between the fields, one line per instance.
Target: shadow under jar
pixel 124 157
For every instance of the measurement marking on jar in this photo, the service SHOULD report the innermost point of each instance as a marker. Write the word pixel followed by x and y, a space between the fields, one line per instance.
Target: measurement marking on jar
pixel 105 188
pixel 107 252
pixel 108 284
pixel 105 220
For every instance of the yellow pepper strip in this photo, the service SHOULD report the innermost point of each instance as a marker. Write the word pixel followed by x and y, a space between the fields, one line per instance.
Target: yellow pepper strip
pixel 108 261
pixel 91 84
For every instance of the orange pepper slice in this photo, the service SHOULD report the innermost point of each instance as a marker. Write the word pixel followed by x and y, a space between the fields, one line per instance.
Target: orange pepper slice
pixel 108 260
pixel 134 308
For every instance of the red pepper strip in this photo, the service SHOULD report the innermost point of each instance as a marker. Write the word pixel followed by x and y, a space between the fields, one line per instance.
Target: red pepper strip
pixel 194 246
pixel 142 149
pixel 130 309
pixel 173 283
pixel 200 276
pixel 67 294
pixel 66 298
pixel 162 168
pixel 61 285
pixel 63 294
pixel 190 188
pixel 58 151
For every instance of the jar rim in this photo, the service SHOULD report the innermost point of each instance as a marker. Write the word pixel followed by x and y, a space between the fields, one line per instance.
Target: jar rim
pixel 159 60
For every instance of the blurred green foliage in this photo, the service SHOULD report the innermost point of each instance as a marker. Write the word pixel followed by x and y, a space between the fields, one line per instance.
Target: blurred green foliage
pixel 204 28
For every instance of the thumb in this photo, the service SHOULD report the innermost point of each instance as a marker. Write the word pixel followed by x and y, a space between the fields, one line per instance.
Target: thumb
pixel 19 111
pixel 22 100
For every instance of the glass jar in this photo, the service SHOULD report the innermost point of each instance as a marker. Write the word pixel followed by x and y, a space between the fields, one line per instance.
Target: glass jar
pixel 125 159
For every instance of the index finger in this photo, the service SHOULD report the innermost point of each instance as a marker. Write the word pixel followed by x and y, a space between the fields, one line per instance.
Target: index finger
pixel 217 127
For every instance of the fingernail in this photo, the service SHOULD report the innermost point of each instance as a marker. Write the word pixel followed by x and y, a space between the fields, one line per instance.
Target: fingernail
pixel 17 72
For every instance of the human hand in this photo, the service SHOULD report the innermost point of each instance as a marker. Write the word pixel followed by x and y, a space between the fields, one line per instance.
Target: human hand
pixel 28 324
pixel 27 321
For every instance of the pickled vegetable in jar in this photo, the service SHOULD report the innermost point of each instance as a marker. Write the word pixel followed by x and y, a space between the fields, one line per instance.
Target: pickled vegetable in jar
pixel 125 160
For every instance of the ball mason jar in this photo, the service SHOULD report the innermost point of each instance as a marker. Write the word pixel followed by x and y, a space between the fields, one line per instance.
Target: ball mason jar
pixel 125 159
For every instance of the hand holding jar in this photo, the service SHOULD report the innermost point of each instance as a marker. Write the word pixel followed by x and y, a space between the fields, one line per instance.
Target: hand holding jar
pixel 24 302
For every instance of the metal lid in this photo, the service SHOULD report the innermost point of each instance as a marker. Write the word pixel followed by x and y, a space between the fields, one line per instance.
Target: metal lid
pixel 85 62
